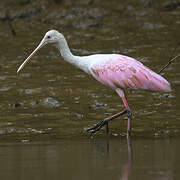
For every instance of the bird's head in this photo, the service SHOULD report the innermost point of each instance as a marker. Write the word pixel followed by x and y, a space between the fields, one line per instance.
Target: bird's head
pixel 51 37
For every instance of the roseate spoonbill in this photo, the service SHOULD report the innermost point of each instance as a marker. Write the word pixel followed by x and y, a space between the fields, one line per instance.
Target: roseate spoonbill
pixel 114 70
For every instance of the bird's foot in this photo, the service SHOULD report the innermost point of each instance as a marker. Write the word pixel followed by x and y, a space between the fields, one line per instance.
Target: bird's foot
pixel 105 121
pixel 98 126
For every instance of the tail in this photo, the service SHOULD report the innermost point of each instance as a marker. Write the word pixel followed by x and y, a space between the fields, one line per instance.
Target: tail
pixel 158 83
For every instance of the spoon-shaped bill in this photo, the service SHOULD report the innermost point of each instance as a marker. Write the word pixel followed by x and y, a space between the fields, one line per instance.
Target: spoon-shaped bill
pixel 31 55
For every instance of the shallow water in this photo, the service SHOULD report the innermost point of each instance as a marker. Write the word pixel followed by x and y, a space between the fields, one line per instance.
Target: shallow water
pixel 52 101
pixel 91 159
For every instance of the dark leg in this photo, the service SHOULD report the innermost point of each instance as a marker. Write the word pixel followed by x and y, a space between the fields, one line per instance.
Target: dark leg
pixel 100 124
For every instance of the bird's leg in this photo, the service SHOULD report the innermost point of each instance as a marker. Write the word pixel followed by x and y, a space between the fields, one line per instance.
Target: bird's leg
pixel 129 116
pixel 129 113
pixel 105 121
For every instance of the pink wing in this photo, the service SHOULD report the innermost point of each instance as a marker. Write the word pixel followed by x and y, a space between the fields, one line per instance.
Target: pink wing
pixel 125 72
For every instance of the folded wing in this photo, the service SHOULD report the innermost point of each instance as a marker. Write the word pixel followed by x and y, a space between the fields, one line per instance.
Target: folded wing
pixel 125 72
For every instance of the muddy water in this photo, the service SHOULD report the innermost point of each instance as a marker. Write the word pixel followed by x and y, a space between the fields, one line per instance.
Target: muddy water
pixel 53 101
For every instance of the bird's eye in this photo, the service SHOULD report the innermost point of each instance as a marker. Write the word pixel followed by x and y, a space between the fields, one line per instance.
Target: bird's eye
pixel 48 37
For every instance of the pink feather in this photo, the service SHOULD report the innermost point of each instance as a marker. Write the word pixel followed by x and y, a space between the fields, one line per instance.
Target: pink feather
pixel 125 72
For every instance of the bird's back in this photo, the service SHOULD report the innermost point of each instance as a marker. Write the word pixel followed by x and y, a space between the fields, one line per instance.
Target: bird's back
pixel 119 71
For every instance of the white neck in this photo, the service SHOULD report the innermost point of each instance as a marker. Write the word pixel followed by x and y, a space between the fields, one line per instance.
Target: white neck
pixel 69 57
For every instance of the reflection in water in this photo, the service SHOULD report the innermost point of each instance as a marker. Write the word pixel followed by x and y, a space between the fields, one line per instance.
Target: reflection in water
pixel 128 166
pixel 91 159
pixel 104 150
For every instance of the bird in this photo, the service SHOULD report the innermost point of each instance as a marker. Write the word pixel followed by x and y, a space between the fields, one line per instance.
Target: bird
pixel 117 71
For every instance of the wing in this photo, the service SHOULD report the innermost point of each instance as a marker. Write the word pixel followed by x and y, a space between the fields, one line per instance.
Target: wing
pixel 125 72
